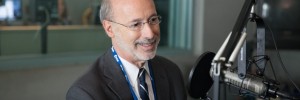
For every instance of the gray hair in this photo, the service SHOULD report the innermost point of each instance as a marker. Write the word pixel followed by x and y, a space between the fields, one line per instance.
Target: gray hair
pixel 105 10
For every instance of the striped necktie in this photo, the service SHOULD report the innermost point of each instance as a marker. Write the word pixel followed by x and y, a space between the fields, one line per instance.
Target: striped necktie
pixel 143 88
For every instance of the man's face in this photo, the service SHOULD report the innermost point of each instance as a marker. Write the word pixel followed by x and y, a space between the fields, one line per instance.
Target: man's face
pixel 141 44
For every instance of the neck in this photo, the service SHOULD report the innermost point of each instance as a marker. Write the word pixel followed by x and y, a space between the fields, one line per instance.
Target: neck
pixel 133 61
pixel 139 64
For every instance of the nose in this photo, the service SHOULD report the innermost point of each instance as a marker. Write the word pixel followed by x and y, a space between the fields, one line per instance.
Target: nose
pixel 149 31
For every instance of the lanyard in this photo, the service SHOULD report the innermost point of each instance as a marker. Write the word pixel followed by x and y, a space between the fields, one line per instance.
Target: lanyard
pixel 115 55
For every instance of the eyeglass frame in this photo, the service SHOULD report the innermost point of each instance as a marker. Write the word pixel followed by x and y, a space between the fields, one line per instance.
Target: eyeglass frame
pixel 131 27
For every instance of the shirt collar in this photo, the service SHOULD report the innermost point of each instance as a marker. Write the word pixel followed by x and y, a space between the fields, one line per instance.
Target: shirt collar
pixel 132 70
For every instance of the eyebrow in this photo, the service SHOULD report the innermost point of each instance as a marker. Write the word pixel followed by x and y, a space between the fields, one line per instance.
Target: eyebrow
pixel 136 20
pixel 140 19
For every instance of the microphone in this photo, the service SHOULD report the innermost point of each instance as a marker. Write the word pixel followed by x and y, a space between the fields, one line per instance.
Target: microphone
pixel 257 85
pixel 250 83
pixel 200 81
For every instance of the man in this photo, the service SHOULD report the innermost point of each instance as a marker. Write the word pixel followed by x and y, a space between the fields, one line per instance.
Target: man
pixel 130 70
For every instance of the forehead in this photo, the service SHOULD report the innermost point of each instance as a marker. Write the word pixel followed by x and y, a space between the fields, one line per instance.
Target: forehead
pixel 132 9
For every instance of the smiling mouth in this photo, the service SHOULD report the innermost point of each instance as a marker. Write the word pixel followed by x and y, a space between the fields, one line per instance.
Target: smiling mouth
pixel 147 46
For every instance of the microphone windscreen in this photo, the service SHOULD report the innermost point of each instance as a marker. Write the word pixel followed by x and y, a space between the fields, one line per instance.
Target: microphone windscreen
pixel 200 81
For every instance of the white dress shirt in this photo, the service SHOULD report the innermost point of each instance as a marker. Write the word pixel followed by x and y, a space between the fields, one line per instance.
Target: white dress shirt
pixel 132 72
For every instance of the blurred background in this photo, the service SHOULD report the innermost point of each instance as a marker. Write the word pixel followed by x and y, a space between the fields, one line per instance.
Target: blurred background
pixel 45 45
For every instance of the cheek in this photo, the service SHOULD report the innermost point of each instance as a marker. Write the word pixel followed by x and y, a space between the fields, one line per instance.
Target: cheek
pixel 129 37
pixel 156 30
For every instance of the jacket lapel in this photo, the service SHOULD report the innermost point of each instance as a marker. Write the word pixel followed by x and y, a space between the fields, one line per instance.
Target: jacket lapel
pixel 115 78
pixel 161 81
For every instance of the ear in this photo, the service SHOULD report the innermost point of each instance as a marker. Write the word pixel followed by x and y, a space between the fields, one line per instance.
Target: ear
pixel 107 27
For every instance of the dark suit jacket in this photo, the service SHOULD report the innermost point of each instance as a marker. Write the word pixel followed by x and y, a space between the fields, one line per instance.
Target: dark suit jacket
pixel 105 81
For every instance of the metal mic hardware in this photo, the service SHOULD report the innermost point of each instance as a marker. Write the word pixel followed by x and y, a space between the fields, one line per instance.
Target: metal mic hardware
pixel 263 88
pixel 250 83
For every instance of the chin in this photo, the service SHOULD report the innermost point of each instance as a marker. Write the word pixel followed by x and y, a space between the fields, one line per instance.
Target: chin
pixel 151 55
pixel 146 56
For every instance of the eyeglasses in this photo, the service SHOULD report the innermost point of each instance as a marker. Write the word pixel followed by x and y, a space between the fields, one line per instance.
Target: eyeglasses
pixel 137 26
